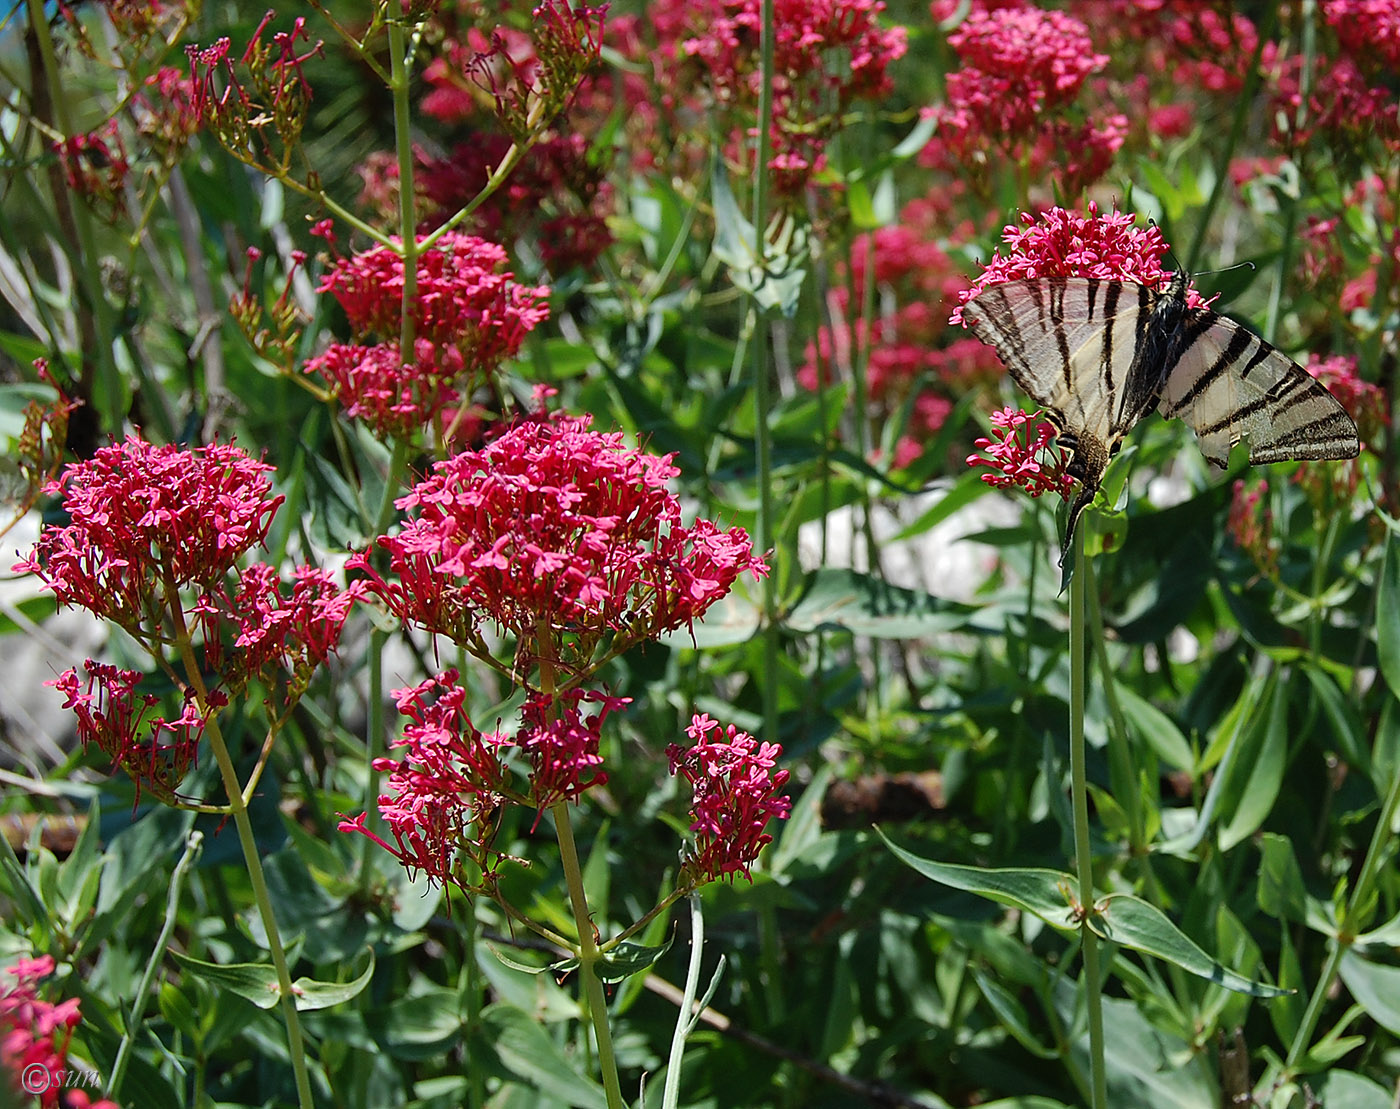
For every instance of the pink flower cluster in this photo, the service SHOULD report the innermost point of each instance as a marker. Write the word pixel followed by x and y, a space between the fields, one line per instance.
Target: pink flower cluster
pixel 1365 403
pixel 154 538
pixel 737 791
pixel 1369 30
pixel 555 530
pixel 35 1033
pixel 464 297
pixel 1017 458
pixel 1022 68
pixel 394 399
pixel 145 520
pixel 1251 525
pixel 468 316
pixel 827 55
pixel 154 752
pixel 96 165
pixel 1062 243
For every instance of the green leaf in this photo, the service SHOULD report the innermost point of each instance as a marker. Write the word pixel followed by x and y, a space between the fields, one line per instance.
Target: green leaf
pixel 1126 920
pixel 864 605
pixel 1133 923
pixel 1280 892
pixel 257 982
pixel 769 272
pixel 1388 615
pixel 535 1059
pixel 962 492
pixel 1375 987
pixel 1260 764
pixel 627 959
pixel 1156 729
pixel 1034 889
pixel 1344 1089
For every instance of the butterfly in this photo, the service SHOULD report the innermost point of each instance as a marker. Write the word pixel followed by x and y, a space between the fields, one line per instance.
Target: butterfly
pixel 1099 354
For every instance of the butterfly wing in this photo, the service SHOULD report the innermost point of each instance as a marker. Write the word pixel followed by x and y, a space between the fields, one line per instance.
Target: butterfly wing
pixel 1073 344
pixel 1070 344
pixel 1229 384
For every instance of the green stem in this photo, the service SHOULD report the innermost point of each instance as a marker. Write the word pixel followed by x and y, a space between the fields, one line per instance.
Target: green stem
pixel 194 845
pixel 1347 927
pixel 247 841
pixel 685 1019
pixel 1083 855
pixel 587 950
pixel 588 954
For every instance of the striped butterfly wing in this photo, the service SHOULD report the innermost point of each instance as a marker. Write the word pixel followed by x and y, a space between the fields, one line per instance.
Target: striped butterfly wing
pixel 1228 384
pixel 1071 343
pixel 1081 348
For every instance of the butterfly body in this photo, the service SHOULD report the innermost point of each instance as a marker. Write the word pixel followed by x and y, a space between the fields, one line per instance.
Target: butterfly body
pixel 1099 354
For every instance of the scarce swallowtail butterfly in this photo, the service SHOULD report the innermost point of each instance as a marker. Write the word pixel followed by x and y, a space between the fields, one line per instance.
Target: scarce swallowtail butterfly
pixel 1098 354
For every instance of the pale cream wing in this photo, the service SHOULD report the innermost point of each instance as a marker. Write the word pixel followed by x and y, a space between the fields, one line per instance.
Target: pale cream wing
pixel 1069 342
pixel 1229 384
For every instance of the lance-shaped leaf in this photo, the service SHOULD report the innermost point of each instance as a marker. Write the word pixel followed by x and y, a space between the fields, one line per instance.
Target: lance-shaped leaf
pixel 1127 921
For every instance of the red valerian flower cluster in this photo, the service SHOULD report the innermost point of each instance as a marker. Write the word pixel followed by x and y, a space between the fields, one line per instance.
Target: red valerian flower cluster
pixel 1061 243
pixel 555 531
pixel 469 315
pixel 153 543
pixel 1017 459
pixel 1250 524
pixel 34 1036
pixel 96 165
pixel 1367 29
pixel 827 55
pixel 1022 69
pixel 155 753
pixel 394 399
pixel 464 297
pixel 147 520
pixel 1335 483
pixel 737 791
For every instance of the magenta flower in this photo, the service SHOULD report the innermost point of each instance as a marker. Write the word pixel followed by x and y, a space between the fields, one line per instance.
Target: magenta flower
pixel 1368 29
pixel 146 521
pixel 1020 460
pixel 452 777
pixel 155 753
pixel 737 791
pixel 464 299
pixel 34 1032
pixel 440 795
pixel 562 744
pixel 1061 243
pixel 396 401
pixel 1251 525
pixel 555 532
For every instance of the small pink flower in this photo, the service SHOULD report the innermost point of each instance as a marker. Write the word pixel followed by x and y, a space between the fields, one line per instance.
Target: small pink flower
pixel 737 790
pixel 1018 459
